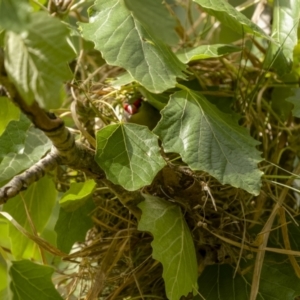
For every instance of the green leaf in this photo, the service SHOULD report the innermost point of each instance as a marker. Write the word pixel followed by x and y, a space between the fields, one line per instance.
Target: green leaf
pixel 36 60
pixel 278 281
pixel 72 225
pixel 210 140
pixel 78 191
pixel 159 101
pixel 35 146
pixel 129 155
pixel 284 31
pixel 8 113
pixel 206 51
pixel 154 15
pixel 172 245
pixel 3 275
pixel 121 80
pixel 127 42
pixel 32 281
pixel 13 138
pixel 40 200
pixel 218 282
pixel 14 14
pixel 278 97
pixel 74 220
pixel 230 17
pixel 4 233
pixel 295 99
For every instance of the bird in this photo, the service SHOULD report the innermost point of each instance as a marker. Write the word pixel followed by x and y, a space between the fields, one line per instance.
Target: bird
pixel 141 112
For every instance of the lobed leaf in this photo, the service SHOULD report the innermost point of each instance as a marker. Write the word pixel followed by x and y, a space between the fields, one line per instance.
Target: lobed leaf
pixel 172 245
pixel 36 60
pixel 32 281
pixel 209 140
pixel 230 17
pixel 129 155
pixel 127 41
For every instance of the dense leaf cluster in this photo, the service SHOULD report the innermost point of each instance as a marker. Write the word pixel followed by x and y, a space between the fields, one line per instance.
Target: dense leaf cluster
pixel 96 154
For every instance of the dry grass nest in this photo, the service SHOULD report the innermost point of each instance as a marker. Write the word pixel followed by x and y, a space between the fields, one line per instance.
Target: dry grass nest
pixel 115 261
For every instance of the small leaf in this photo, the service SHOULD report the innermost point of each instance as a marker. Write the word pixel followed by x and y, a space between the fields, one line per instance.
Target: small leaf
pixel 129 155
pixel 285 22
pixel 32 281
pixel 206 51
pixel 14 14
pixel 72 225
pixel 230 17
pixel 78 191
pixel 36 60
pixel 127 42
pixel 296 101
pixel 8 113
pixel 172 245
pixel 210 140
pixel 40 200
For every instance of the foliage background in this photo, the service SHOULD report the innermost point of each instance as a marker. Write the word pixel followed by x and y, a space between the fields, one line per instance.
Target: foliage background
pixel 214 215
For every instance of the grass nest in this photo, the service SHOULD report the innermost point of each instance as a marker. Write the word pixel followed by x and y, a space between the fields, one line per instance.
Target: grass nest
pixel 228 225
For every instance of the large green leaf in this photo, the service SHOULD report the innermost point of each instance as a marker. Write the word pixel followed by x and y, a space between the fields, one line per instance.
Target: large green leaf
pixel 72 225
pixel 210 140
pixel 8 113
pixel 284 31
pixel 230 17
pixel 74 216
pixel 156 17
pixel 13 138
pixel 172 245
pixel 14 14
pixel 129 155
pixel 128 42
pixel 32 281
pixel 36 60
pixel 278 281
pixel 40 199
pixel 36 144
pixel 205 51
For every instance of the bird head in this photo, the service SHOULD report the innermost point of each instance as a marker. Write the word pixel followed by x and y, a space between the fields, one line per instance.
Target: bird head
pixel 142 113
